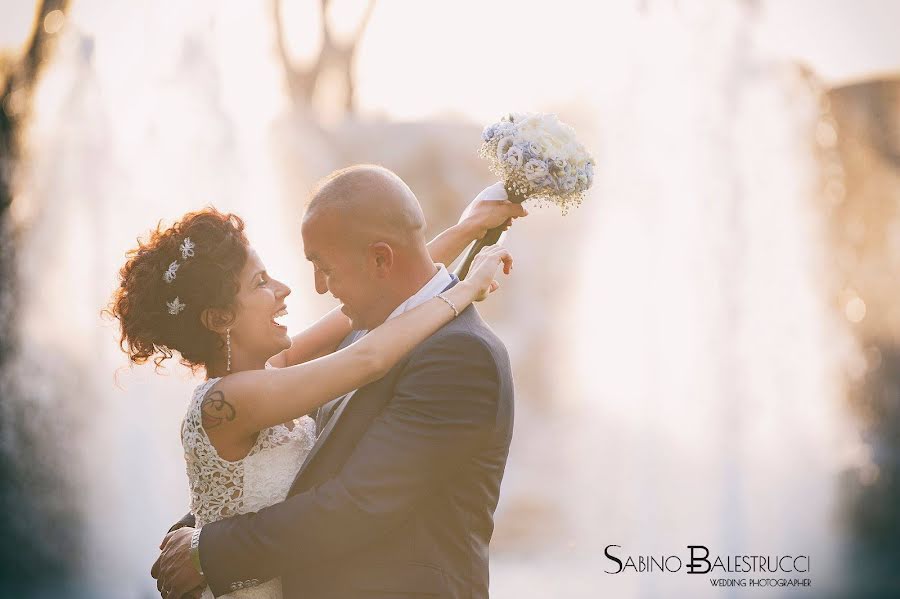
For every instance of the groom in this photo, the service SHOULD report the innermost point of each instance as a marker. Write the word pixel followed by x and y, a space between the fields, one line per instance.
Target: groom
pixel 397 496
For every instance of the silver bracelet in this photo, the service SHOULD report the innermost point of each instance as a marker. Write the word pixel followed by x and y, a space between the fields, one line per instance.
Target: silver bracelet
pixel 449 303
pixel 195 550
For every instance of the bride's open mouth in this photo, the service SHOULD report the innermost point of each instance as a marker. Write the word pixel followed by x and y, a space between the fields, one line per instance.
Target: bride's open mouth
pixel 282 312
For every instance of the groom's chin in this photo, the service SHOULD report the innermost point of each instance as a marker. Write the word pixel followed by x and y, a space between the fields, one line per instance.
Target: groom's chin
pixel 357 324
pixel 354 320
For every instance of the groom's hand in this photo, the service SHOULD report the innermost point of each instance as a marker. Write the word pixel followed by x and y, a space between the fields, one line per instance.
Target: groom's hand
pixel 175 575
pixel 490 209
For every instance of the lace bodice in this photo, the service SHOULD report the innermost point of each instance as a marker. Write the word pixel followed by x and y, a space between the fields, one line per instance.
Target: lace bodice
pixel 221 488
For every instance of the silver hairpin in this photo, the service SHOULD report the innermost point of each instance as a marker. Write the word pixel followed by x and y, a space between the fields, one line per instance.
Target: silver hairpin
pixel 169 275
pixel 187 248
pixel 176 306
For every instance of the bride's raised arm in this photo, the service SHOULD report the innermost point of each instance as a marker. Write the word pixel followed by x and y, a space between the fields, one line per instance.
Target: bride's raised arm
pixel 246 402
pixel 489 209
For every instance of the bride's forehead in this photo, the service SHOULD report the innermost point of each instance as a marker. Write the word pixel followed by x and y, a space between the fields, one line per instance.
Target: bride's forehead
pixel 254 263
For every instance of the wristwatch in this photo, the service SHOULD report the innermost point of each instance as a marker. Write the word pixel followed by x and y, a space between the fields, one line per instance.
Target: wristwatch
pixel 195 550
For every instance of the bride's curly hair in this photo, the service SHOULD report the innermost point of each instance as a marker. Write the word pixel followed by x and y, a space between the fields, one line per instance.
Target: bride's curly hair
pixel 207 279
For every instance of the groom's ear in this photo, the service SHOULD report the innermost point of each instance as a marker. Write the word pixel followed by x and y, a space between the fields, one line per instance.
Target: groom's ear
pixel 382 258
pixel 216 319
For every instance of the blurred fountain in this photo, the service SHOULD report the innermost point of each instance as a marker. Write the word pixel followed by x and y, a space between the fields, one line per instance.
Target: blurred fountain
pixel 129 129
pixel 702 378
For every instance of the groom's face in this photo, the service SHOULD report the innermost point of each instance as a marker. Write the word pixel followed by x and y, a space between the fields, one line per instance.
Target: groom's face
pixel 340 268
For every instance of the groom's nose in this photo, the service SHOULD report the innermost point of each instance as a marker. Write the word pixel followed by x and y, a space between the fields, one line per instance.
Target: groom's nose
pixel 321 287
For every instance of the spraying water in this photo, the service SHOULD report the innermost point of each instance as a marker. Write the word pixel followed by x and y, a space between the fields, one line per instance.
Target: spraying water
pixel 702 373
pixel 130 129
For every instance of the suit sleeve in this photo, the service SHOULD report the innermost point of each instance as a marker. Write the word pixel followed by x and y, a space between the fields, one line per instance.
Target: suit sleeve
pixel 444 407
pixel 186 520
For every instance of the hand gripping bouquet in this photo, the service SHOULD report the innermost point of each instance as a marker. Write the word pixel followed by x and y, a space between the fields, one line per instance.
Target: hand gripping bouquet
pixel 538 157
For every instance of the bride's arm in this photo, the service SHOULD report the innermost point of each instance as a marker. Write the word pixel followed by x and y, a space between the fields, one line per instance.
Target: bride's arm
pixel 489 209
pixel 316 340
pixel 246 402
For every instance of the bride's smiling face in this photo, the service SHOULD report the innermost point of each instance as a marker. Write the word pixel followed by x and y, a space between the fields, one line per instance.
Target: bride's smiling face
pixel 255 331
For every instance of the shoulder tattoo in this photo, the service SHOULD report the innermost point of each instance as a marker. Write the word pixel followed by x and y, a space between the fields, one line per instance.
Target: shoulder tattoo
pixel 216 410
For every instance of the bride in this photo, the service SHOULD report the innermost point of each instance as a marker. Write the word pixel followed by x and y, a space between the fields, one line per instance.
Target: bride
pixel 198 288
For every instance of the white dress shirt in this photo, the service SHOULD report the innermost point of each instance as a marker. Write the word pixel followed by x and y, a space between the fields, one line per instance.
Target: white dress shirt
pixel 438 283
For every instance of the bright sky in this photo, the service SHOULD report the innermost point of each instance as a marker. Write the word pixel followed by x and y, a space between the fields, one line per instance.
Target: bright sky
pixel 843 40
pixel 422 59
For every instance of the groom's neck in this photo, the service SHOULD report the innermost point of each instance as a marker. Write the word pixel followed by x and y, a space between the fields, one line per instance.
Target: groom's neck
pixel 408 282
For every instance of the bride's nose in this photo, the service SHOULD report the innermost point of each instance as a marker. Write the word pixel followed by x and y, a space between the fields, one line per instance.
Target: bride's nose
pixel 283 290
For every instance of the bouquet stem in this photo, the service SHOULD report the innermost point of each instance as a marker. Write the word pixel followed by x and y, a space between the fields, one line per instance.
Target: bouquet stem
pixel 490 238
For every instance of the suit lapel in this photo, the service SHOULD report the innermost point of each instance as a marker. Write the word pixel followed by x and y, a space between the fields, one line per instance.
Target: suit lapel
pixel 323 435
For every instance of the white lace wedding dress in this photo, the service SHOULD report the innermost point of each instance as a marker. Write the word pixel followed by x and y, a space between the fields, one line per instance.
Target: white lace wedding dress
pixel 220 488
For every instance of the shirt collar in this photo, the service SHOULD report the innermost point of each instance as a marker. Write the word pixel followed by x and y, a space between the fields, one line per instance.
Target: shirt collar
pixel 438 283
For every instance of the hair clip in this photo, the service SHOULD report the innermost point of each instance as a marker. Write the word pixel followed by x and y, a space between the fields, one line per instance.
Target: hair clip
pixel 169 275
pixel 187 248
pixel 176 306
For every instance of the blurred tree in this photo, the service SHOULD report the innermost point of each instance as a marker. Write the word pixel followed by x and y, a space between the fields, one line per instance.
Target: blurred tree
pixel 39 539
pixel 438 160
pixel 333 55
pixel 19 74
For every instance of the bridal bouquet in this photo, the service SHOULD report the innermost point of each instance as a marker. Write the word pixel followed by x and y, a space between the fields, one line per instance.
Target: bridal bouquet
pixel 538 156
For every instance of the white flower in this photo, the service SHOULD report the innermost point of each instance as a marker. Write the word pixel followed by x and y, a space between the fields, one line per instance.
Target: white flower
pixel 503 147
pixel 582 178
pixel 527 124
pixel 547 185
pixel 535 170
pixel 169 275
pixel 187 248
pixel 557 166
pixel 504 129
pixel 514 157
pixel 176 306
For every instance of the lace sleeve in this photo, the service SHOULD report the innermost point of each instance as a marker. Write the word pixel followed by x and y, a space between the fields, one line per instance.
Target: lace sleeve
pixel 216 485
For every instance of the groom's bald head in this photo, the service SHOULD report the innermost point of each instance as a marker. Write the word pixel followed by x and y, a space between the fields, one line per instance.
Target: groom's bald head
pixel 370 203
pixel 364 232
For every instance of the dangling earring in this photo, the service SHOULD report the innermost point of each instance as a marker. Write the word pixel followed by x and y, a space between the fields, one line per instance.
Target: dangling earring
pixel 228 346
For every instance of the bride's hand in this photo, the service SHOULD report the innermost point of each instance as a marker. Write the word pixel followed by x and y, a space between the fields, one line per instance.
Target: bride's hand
pixel 490 209
pixel 484 269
